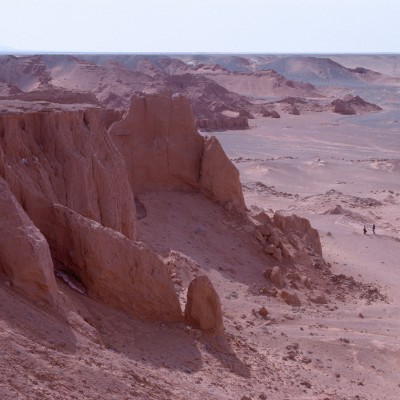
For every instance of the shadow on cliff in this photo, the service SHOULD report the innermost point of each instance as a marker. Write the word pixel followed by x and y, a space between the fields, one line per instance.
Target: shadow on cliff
pixel 170 347
pixel 160 345
pixel 222 351
pixel 36 324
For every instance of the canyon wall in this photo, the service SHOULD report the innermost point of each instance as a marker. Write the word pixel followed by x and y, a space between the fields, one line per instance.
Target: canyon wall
pixel 67 198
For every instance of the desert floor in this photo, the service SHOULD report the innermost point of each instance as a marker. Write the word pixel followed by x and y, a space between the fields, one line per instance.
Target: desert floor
pixel 309 166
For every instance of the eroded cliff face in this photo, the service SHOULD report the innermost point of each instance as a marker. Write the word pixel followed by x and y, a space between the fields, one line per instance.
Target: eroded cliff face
pixel 159 142
pixel 163 150
pixel 219 177
pixel 124 274
pixel 24 253
pixel 66 198
pixel 66 158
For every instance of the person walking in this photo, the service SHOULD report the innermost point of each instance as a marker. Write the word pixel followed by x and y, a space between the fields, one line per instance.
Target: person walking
pixel 373 228
pixel 365 230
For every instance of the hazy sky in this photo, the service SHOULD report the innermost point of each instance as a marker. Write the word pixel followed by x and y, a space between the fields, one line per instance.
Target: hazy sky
pixel 201 25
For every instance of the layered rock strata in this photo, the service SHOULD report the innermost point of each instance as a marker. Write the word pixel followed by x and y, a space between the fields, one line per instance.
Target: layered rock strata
pixel 66 158
pixel 124 274
pixel 68 177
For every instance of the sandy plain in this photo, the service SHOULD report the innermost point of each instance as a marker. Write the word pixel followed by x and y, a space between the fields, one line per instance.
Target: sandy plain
pixel 310 166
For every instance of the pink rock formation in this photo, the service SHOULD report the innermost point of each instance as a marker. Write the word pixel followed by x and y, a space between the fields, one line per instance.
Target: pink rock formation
pixel 270 113
pixel 121 273
pixel 162 149
pixel 219 177
pixel 203 307
pixel 277 278
pixel 71 180
pixel 352 105
pixel 24 253
pixel 159 142
pixel 290 298
pixel 66 158
pixel 300 230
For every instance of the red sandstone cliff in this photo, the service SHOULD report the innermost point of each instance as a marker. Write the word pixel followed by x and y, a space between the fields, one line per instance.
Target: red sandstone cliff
pixel 66 158
pixel 66 193
pixel 69 178
pixel 162 149
pixel 159 142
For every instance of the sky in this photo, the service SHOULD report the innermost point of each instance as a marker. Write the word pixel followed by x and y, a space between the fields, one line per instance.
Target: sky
pixel 194 26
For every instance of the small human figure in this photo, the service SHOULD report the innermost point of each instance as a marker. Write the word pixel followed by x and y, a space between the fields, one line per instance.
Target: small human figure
pixel 365 230
pixel 373 228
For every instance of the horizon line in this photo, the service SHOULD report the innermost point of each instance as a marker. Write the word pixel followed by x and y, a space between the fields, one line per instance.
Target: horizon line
pixel 42 52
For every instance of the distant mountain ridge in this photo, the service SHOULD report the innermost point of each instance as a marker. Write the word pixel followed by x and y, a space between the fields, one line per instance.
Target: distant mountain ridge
pixel 224 90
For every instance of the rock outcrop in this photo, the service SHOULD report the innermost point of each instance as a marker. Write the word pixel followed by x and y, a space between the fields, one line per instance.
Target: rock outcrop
pixel 159 142
pixel 219 177
pixel 66 158
pixel 124 274
pixel 68 176
pixel 353 105
pixel 300 231
pixel 203 307
pixel 277 278
pixel 163 150
pixel 270 113
pixel 290 298
pixel 64 175
pixel 24 253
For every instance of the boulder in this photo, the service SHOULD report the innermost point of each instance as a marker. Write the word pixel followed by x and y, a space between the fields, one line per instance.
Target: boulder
pixel 352 105
pixel 262 217
pixel 318 299
pixel 270 113
pixel 263 312
pixel 267 273
pixel 287 249
pixel 290 298
pixel 121 273
pixel 276 277
pixel 269 249
pixel 24 253
pixel 274 114
pixel 264 229
pixel 203 307
pixel 259 237
pixel 274 239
